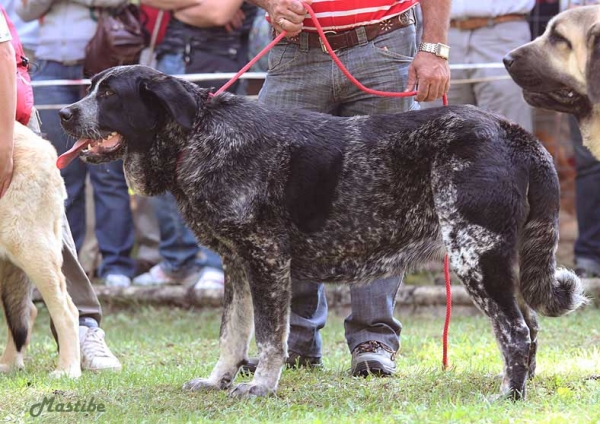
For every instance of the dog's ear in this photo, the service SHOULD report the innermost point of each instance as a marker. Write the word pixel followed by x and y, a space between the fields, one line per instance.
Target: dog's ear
pixel 174 96
pixel 592 69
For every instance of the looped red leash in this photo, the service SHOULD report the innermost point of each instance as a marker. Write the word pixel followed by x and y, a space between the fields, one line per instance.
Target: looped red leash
pixel 376 93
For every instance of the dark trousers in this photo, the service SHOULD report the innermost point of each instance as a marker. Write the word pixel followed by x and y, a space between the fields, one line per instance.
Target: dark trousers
pixel 587 201
pixel 114 221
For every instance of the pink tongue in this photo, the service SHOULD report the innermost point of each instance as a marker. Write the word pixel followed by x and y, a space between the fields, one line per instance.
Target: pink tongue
pixel 68 157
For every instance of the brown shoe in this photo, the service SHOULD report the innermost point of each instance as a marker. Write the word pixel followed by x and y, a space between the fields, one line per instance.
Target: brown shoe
pixel 373 357
pixel 294 361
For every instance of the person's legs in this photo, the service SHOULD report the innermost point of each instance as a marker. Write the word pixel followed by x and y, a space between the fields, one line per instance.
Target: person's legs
pixel 178 246
pixel 309 313
pixel 505 97
pixel 372 332
pixel 114 219
pixel 95 354
pixel 78 284
pixel 459 93
pixel 301 78
pixel 587 201
pixel 307 78
pixel 74 175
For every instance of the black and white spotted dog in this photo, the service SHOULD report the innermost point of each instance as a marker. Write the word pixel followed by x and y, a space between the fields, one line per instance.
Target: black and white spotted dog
pixel 286 195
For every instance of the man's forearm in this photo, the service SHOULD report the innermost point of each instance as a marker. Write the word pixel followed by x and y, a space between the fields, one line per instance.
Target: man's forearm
pixel 436 19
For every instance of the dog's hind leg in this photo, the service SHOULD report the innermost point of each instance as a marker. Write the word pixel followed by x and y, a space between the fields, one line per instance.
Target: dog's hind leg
pixel 236 330
pixel 484 263
pixel 45 273
pixel 532 322
pixel 20 313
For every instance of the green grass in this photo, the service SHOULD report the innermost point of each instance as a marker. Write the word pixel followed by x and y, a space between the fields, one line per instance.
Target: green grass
pixel 162 348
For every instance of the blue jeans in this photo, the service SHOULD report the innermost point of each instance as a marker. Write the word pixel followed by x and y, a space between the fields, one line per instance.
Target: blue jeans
pixel 114 222
pixel 178 246
pixel 307 78
pixel 587 202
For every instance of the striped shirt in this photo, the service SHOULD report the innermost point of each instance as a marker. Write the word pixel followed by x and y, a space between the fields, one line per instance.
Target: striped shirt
pixel 341 15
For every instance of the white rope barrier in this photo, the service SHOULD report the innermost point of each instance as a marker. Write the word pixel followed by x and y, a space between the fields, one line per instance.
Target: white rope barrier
pixel 262 75
pixel 254 75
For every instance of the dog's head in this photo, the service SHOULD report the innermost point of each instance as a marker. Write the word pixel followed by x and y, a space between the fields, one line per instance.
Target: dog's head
pixel 560 70
pixel 124 109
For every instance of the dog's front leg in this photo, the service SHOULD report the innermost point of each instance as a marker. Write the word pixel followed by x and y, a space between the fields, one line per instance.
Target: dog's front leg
pixel 270 285
pixel 236 330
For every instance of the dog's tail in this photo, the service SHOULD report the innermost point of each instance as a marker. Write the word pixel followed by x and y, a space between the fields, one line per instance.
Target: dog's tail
pixel 546 289
pixel 15 295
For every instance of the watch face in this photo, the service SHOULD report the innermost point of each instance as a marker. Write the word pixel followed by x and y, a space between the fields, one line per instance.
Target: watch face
pixel 443 51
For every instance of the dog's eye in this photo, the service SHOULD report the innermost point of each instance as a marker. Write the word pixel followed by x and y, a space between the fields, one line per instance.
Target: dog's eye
pixel 106 92
pixel 556 38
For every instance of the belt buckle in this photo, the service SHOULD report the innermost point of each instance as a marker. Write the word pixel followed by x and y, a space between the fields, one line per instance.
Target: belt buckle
pixel 406 18
pixel 323 47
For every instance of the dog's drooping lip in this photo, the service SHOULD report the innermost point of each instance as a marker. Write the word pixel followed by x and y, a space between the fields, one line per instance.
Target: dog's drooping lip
pixel 89 147
pixel 563 99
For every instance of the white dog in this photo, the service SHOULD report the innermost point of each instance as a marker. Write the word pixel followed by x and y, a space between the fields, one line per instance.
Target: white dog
pixel 31 227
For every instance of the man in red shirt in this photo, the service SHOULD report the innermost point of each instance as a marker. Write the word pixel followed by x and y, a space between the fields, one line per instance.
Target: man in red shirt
pixel 376 41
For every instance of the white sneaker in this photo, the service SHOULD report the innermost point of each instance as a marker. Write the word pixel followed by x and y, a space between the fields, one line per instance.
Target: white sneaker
pixel 117 280
pixel 210 279
pixel 157 277
pixel 95 354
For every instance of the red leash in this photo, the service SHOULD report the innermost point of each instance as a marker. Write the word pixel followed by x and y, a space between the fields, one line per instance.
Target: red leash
pixel 376 93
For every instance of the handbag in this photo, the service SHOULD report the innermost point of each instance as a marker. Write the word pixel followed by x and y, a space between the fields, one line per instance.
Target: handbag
pixel 119 39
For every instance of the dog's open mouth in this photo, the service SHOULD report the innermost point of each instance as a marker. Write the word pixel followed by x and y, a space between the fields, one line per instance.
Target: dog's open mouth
pixel 88 148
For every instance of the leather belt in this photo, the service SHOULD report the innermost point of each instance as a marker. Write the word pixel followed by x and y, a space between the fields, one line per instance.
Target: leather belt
pixel 470 24
pixel 352 37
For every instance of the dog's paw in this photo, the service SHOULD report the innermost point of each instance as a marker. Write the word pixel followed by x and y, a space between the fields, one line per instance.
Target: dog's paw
pixel 246 390
pixel 74 372
pixel 199 385
pixel 5 368
pixel 508 396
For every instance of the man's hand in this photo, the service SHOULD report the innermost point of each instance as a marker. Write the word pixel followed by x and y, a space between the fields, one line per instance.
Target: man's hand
pixel 287 15
pixel 6 169
pixel 431 74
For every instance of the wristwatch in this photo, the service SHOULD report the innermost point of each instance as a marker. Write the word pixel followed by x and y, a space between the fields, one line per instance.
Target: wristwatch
pixel 438 49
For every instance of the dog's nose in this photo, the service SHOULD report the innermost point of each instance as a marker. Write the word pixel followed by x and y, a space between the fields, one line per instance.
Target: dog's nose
pixel 65 114
pixel 508 60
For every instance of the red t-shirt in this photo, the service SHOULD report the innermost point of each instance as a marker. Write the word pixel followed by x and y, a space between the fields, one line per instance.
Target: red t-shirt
pixel 341 15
